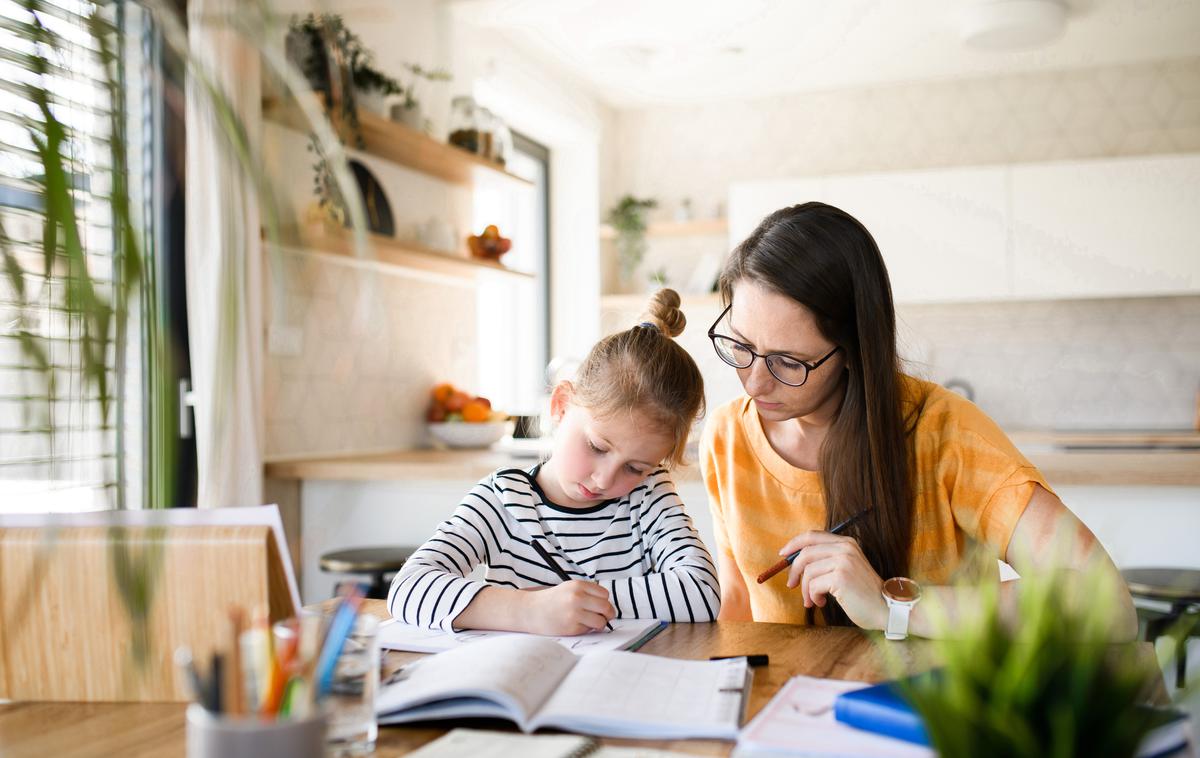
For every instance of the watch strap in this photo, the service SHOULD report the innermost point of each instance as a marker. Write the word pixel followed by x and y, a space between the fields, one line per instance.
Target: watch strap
pixel 897 623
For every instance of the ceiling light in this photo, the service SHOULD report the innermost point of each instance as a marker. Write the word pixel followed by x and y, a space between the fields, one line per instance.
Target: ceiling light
pixel 1011 24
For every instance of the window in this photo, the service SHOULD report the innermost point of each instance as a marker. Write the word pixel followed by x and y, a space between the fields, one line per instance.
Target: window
pixel 513 316
pixel 78 444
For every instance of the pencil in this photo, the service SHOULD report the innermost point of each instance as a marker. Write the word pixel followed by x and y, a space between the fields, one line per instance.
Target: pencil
pixel 785 562
pixel 553 566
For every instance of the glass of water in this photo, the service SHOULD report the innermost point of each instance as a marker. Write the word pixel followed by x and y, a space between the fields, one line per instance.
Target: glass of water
pixel 351 702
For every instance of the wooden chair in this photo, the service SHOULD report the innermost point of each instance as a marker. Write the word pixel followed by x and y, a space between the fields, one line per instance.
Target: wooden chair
pixel 95 613
pixel 1179 589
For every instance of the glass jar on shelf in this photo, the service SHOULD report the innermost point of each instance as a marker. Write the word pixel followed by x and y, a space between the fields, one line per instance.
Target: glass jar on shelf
pixel 487 134
pixel 464 123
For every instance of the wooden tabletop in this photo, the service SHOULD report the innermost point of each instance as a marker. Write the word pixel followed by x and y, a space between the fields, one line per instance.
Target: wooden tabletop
pixel 105 729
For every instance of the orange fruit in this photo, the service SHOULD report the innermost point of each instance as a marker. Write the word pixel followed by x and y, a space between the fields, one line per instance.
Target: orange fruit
pixel 487 403
pixel 456 401
pixel 442 392
pixel 476 412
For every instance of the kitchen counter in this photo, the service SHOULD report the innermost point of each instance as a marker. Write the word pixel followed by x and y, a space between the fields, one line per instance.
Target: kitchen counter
pixel 1121 466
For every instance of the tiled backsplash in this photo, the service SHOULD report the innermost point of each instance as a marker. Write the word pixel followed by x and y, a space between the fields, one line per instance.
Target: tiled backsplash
pixel 1085 364
pixel 373 345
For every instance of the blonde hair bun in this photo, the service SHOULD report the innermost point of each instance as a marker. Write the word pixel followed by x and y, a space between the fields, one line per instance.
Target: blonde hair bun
pixel 663 311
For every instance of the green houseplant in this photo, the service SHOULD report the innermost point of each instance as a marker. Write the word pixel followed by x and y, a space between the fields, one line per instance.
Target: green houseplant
pixel 338 66
pixel 1052 686
pixel 628 220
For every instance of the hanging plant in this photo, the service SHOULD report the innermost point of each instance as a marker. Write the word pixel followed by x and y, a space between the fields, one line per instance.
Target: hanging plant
pixel 336 64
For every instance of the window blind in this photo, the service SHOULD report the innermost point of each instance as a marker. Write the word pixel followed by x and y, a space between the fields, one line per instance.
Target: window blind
pixel 58 451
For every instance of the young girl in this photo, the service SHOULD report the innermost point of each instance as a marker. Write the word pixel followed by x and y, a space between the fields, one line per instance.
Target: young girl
pixel 603 507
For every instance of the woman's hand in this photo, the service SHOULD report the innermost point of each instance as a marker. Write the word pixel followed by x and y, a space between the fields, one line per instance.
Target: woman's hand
pixel 830 564
pixel 574 607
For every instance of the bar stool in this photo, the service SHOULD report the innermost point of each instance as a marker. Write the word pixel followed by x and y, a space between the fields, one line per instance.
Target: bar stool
pixel 373 562
pixel 1180 589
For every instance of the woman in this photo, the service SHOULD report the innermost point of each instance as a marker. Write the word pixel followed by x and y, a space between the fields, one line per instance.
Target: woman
pixel 831 427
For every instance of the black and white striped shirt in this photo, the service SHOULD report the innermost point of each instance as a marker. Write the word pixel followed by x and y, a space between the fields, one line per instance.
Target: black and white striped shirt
pixel 642 548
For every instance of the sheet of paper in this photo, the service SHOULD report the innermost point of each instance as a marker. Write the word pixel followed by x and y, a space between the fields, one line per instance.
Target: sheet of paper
pixel 638 695
pixel 394 635
pixel 260 515
pixel 799 722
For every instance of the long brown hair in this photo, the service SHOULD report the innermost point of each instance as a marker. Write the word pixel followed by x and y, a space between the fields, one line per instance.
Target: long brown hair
pixel 823 258
pixel 643 369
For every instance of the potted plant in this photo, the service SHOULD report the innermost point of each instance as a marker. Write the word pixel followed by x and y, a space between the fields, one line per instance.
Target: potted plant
pixel 406 109
pixel 628 220
pixel 337 65
pixel 1053 685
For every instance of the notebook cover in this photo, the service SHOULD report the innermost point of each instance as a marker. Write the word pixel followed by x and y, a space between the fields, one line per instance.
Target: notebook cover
pixel 881 709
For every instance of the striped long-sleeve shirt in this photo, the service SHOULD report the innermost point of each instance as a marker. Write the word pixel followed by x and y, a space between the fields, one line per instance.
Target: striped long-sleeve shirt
pixel 642 548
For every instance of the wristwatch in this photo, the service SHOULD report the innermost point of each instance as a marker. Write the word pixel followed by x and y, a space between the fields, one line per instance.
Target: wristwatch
pixel 901 594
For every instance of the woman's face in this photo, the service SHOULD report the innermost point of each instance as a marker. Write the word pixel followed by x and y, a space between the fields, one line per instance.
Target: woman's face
pixel 773 323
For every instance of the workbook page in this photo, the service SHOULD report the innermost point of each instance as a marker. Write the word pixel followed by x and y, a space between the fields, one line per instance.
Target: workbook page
pixel 517 672
pixel 622 694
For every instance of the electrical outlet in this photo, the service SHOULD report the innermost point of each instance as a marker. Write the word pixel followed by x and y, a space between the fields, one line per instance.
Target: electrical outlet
pixel 285 340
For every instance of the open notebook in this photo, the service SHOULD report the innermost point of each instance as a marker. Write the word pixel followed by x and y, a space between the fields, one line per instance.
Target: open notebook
pixel 537 683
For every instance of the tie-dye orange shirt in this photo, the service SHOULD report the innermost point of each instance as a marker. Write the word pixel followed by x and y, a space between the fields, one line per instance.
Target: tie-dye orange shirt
pixel 971 484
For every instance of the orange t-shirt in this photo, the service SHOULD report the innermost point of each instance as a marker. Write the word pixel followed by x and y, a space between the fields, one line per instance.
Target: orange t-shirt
pixel 971 484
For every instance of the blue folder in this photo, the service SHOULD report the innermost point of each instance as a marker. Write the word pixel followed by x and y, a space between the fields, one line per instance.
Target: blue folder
pixel 883 710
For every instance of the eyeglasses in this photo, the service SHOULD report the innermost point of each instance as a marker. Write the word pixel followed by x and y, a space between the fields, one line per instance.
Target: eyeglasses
pixel 791 371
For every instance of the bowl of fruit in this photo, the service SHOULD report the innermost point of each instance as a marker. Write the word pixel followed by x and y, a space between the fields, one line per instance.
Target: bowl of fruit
pixel 461 420
pixel 489 245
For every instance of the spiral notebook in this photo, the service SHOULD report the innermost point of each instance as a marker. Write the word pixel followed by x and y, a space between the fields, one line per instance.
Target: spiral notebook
pixel 483 743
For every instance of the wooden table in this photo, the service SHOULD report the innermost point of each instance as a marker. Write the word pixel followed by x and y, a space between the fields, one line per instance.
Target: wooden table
pixel 106 729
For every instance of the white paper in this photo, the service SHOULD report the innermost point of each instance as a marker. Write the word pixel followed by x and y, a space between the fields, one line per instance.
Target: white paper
pixel 799 722
pixel 259 515
pixel 633 695
pixel 394 635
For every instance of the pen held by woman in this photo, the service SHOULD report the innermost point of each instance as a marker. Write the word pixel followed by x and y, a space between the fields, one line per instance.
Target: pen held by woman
pixel 787 560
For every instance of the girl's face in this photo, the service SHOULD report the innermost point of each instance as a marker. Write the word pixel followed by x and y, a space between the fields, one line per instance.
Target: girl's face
pixel 769 322
pixel 598 458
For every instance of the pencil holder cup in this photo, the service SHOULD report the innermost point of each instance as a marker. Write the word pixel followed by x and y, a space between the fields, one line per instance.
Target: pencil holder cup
pixel 212 736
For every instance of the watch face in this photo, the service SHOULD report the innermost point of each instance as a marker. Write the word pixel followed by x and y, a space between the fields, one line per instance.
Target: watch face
pixel 902 590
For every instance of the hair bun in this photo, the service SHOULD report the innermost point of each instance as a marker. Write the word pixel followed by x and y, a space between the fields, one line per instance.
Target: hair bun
pixel 664 312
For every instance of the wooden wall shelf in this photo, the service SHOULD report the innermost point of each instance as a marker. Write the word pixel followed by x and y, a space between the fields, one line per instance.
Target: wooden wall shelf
pixel 392 254
pixel 399 144
pixel 700 227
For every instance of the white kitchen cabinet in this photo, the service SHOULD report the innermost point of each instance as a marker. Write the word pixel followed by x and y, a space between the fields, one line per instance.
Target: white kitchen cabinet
pixel 1107 228
pixel 750 202
pixel 1115 227
pixel 942 233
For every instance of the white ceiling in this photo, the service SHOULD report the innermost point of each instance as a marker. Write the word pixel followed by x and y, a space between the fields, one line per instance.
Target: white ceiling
pixel 647 52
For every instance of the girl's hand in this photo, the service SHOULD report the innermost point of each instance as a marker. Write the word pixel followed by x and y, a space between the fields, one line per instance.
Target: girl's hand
pixel 574 607
pixel 830 564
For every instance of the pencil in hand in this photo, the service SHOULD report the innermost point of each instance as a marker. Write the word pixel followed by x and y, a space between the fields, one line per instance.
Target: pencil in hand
pixel 553 566
pixel 787 560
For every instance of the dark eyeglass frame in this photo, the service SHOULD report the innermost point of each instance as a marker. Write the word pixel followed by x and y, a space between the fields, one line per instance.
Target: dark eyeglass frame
pixel 809 366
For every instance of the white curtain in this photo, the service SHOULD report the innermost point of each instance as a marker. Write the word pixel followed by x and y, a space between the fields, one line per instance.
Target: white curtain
pixel 224 268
